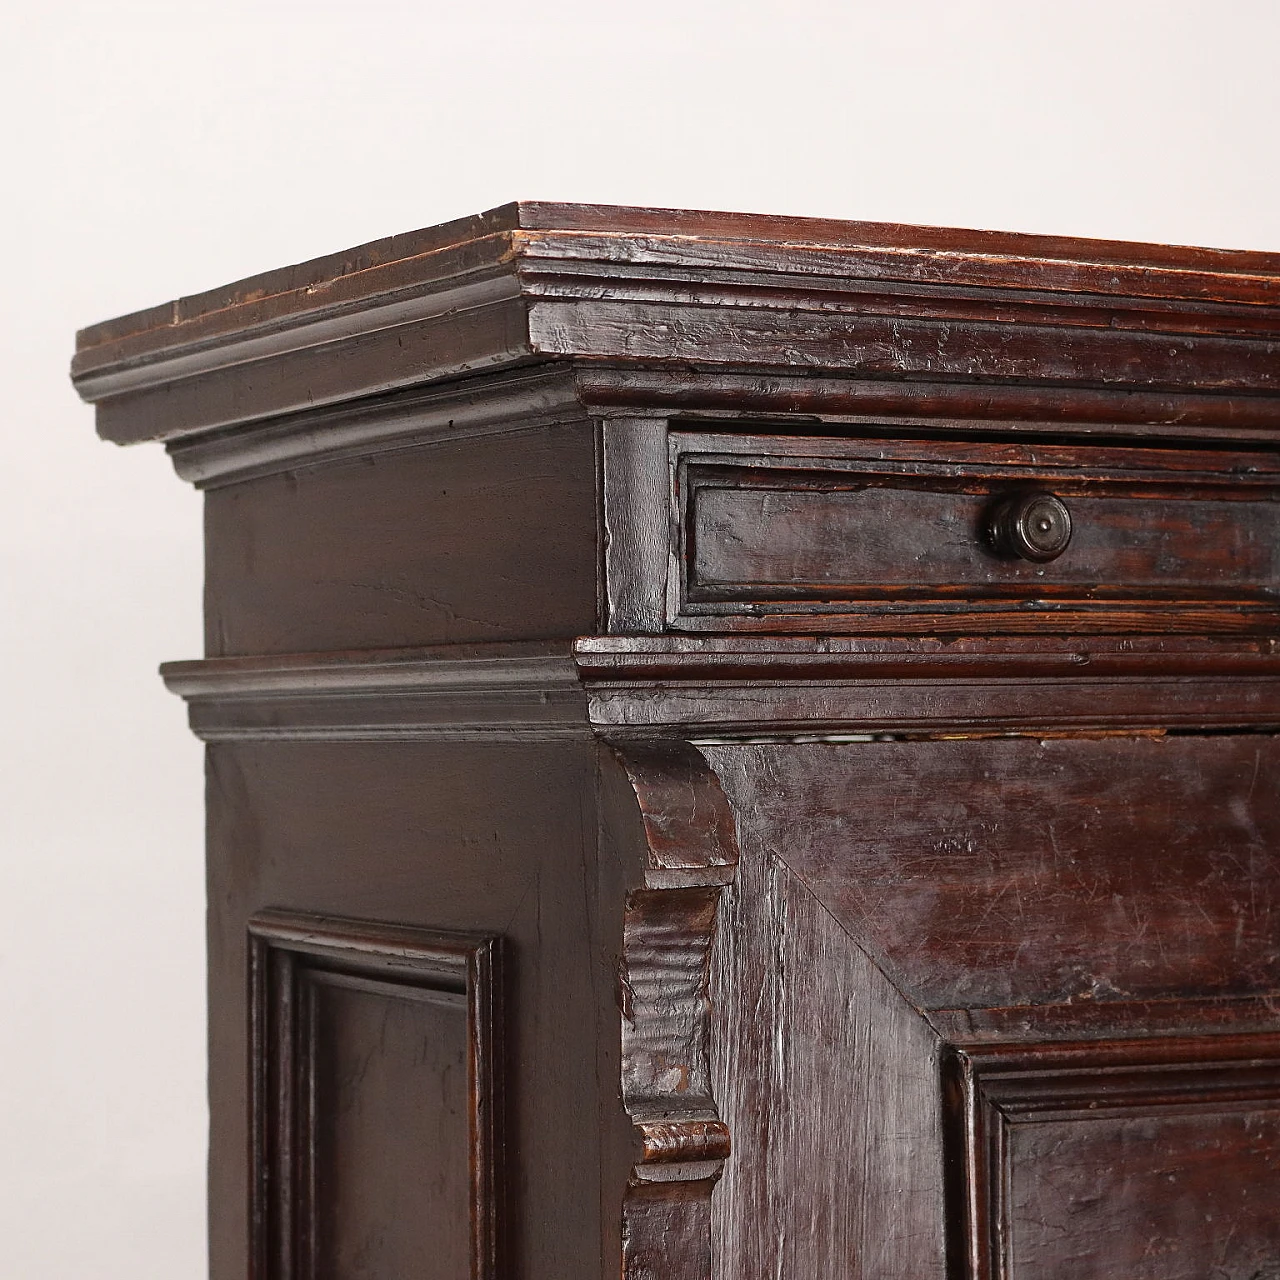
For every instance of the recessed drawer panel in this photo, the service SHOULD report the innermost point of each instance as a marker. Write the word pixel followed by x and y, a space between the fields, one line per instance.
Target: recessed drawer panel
pixel 892 536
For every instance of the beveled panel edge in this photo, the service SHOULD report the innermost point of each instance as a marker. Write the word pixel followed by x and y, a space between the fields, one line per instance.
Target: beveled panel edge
pixel 97 378
pixel 1118 616
pixel 990 1087
pixel 1015 1074
pixel 510 668
pixel 986 1029
pixel 459 963
pixel 315 282
pixel 816 712
pixel 546 395
pixel 481 696
pixel 529 395
pixel 727 690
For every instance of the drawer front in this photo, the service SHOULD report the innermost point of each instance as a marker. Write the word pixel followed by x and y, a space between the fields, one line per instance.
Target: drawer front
pixel 906 536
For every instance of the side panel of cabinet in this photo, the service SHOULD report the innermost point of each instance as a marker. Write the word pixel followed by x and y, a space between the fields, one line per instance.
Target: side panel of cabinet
pixel 464 541
pixel 410 997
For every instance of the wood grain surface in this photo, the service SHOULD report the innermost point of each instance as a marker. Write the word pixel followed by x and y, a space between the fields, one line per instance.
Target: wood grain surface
pixel 815 1051
pixel 546 282
pixel 1157 1157
pixel 657 827
pixel 485 540
pixel 996 872
pixel 490 840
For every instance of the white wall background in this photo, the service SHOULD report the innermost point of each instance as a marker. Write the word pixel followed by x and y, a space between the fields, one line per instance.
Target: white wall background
pixel 150 150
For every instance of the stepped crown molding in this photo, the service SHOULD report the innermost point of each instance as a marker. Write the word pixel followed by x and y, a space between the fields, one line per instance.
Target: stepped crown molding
pixel 675 291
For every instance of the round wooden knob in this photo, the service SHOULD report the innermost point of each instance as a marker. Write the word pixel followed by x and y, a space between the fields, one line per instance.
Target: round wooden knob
pixel 1033 526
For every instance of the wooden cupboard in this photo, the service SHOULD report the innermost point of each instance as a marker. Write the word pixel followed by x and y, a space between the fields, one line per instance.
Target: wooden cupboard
pixel 737 746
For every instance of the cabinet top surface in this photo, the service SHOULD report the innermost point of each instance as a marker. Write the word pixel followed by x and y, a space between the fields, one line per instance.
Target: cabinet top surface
pixel 700 240
pixel 674 290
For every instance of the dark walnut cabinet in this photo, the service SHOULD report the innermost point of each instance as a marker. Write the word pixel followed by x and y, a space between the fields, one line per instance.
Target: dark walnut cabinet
pixel 737 747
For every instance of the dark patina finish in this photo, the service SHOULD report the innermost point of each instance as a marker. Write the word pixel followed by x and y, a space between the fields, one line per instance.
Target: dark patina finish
pixel 737 747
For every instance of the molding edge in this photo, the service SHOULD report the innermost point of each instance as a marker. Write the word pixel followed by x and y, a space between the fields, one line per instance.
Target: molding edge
pixel 991 1088
pixel 523 400
pixel 286 951
pixel 628 687
pixel 377 696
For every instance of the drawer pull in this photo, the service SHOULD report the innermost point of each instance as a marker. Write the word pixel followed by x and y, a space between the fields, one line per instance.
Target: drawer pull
pixel 1032 526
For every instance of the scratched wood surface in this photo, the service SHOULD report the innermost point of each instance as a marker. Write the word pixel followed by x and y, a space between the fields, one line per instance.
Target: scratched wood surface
pixel 618 589
pixel 1001 872
pixel 806 533
pixel 1155 1197
pixel 815 1051
pixel 886 888
pixel 566 282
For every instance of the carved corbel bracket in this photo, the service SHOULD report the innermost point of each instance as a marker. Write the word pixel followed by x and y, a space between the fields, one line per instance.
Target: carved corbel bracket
pixel 680 1143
